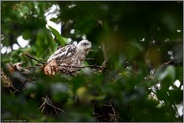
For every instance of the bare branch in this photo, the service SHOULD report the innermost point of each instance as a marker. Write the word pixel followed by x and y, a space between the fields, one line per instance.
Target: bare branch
pixel 95 66
pixel 48 101
pixel 167 63
pixel 33 58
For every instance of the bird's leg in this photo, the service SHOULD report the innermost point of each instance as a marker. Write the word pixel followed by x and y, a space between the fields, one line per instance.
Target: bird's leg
pixel 51 68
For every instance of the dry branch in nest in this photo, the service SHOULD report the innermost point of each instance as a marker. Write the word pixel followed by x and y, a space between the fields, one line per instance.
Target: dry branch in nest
pixel 48 102
pixel 106 112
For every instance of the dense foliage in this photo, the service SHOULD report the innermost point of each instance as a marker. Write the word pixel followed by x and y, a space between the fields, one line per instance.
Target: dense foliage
pixel 137 44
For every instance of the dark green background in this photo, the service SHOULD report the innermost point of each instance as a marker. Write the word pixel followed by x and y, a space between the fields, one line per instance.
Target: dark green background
pixel 120 92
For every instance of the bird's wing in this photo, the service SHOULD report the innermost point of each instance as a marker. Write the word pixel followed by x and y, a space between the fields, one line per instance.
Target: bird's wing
pixel 63 52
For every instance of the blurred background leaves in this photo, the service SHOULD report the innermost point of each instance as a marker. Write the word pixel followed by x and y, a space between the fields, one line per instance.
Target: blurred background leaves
pixel 141 41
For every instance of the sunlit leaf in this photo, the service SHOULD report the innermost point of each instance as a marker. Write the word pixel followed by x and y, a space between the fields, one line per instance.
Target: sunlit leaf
pixel 169 73
pixel 63 41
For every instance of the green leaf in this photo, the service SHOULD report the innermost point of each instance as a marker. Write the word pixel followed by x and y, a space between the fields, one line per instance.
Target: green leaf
pixel 168 73
pixel 59 91
pixel 60 38
pixel 26 35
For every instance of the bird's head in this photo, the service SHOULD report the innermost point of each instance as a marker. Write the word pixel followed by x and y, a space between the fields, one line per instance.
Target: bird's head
pixel 84 45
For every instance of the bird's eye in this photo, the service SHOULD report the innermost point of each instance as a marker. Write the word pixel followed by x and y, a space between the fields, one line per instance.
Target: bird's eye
pixel 85 44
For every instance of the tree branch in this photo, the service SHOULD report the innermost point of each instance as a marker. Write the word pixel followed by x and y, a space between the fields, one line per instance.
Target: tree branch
pixel 33 58
pixel 95 66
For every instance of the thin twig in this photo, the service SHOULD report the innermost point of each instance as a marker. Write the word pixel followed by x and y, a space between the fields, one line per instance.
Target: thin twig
pixel 89 58
pixel 16 90
pixel 42 107
pixel 81 66
pixel 49 102
pixel 33 58
pixel 114 112
pixel 167 63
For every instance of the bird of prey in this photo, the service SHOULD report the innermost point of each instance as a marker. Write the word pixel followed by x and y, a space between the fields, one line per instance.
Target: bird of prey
pixel 68 59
